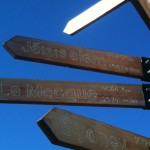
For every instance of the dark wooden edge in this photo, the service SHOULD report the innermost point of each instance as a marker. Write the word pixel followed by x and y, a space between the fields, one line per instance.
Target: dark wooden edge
pixel 47 131
pixel 142 12
pixel 5 45
pixel 145 62
pixel 146 93
pixel 51 136
pixel 72 104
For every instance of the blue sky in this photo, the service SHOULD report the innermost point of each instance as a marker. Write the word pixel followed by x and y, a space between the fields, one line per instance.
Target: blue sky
pixel 123 31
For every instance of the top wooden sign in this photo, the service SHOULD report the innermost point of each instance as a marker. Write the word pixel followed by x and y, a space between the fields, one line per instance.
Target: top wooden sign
pixel 102 8
pixel 78 57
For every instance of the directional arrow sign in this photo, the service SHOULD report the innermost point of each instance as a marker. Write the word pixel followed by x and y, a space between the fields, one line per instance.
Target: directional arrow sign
pixel 74 93
pixel 91 14
pixel 102 8
pixel 76 132
pixel 77 57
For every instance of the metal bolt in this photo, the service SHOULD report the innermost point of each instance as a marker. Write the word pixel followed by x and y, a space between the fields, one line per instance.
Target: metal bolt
pixel 147 61
pixel 148 71
pixel 148 89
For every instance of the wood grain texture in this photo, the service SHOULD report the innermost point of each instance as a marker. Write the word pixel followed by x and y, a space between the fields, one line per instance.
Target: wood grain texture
pixel 71 93
pixel 73 131
pixel 71 56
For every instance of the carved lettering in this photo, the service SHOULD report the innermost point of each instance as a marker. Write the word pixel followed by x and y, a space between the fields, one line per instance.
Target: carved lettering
pixel 113 88
pixel 82 94
pixel 46 51
pixel 59 93
pixel 78 55
pixel 125 90
pixel 109 88
pixel 70 93
pixel 63 54
pixel 34 92
pixel 11 90
pixel 91 136
pixel 15 91
pixel 91 94
pixel 141 141
pixel 130 101
pixel 107 99
pixel 105 140
pixel 36 48
pixel 123 68
pixel 66 126
pixel 87 58
pixel 2 92
pixel 122 57
pixel 28 48
pixel 73 56
pixel 47 93
pixel 108 141
pixel 117 143
pixel 80 136
pixel 91 59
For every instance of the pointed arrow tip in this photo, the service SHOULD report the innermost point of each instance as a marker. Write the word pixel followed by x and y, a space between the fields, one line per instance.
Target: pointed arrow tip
pixel 70 30
pixel 67 29
pixel 7 46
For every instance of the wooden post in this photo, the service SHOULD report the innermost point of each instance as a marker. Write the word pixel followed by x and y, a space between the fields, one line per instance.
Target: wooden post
pixel 143 7
pixel 146 6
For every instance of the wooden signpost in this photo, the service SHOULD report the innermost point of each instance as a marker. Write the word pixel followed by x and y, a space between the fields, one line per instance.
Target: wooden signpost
pixel 74 93
pixel 67 129
pixel 65 55
pixel 76 132
pixel 102 8
pixel 145 5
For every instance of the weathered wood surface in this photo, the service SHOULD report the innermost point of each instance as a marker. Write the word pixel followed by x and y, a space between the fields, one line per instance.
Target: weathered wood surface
pixel 71 93
pixel 143 7
pixel 71 56
pixel 73 131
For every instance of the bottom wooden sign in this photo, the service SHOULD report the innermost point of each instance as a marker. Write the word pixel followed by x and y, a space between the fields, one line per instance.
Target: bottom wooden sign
pixel 73 131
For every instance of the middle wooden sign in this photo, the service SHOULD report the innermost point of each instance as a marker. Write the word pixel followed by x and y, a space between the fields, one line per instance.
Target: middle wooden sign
pixel 74 93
